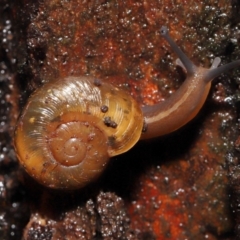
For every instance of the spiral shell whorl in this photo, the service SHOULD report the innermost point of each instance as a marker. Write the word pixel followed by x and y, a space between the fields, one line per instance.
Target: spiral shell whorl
pixel 70 127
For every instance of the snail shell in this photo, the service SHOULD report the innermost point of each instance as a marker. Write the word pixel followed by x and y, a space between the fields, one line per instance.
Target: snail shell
pixel 71 127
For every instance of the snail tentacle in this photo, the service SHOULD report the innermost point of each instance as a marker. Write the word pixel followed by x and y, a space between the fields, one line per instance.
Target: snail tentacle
pixel 188 64
pixel 182 106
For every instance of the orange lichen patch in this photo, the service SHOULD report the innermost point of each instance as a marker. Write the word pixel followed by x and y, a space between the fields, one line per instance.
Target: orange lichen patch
pixel 187 197
pixel 149 90
pixel 150 93
pixel 163 217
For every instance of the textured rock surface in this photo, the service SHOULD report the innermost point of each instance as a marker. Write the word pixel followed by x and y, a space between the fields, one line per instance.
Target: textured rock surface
pixel 175 187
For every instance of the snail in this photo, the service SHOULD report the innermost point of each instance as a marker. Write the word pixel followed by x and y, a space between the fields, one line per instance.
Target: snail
pixel 71 127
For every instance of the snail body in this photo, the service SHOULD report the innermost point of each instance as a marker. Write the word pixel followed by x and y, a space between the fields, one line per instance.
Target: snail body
pixel 182 106
pixel 70 127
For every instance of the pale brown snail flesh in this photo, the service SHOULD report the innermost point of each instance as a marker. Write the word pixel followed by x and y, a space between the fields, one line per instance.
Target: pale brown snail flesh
pixel 71 127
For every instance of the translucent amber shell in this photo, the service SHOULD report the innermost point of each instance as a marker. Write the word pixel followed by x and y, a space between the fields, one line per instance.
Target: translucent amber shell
pixel 70 127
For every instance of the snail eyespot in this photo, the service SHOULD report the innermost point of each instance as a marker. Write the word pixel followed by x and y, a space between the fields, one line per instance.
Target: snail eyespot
pixel 163 30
